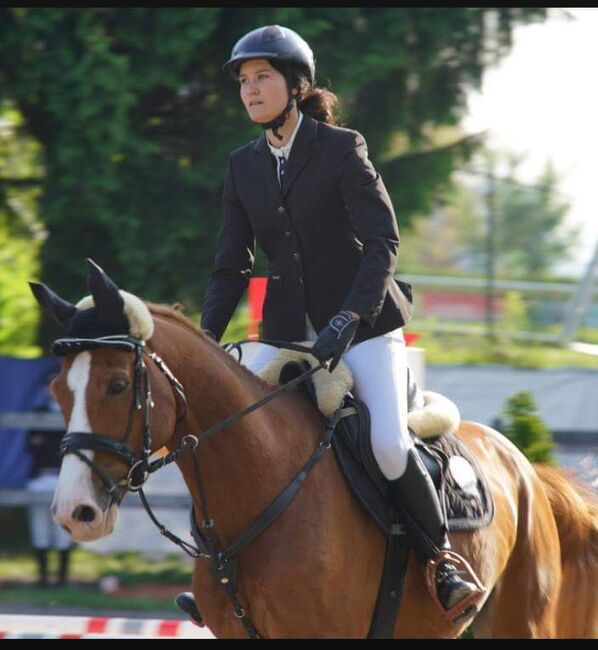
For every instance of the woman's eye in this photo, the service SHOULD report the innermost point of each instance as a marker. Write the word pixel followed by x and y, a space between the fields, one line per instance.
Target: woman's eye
pixel 117 387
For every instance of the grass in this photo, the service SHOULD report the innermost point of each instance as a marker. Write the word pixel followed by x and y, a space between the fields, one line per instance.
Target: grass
pixel 85 566
pixel 83 597
pixel 460 349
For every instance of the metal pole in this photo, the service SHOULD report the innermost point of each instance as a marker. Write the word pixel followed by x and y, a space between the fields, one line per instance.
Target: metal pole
pixel 490 250
pixel 581 300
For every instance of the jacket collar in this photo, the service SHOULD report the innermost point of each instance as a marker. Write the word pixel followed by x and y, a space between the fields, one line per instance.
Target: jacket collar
pixel 301 152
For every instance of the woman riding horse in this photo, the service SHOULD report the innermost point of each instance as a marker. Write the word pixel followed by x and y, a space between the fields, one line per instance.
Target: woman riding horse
pixel 143 377
pixel 307 192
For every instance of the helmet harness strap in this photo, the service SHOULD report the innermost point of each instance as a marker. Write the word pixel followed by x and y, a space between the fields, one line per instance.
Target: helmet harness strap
pixel 277 122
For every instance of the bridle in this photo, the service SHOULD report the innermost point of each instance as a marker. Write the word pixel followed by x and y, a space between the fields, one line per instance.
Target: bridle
pixel 74 442
pixel 222 561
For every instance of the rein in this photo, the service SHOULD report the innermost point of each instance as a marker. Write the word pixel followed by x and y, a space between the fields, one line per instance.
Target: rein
pixel 223 562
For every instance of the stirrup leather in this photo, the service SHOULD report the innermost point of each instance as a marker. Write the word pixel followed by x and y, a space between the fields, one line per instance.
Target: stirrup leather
pixel 465 605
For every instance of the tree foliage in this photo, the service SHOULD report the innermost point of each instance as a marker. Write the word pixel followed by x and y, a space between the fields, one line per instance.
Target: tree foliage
pixel 527 431
pixel 530 235
pixel 21 235
pixel 136 118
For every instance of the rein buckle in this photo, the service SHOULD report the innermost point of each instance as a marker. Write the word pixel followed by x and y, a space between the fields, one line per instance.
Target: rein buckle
pixel 131 476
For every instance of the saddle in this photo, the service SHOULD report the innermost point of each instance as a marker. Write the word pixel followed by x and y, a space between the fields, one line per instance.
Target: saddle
pixel 462 488
pixel 432 421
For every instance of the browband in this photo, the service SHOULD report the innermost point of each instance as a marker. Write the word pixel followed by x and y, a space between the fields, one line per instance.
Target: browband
pixel 64 346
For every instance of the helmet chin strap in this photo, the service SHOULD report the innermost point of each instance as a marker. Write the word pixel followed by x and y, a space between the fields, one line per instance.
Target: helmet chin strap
pixel 277 122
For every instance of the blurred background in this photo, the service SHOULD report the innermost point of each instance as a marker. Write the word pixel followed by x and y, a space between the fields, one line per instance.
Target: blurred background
pixel 115 127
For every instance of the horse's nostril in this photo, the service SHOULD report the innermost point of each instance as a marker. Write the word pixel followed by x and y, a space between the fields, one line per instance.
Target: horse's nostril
pixel 85 514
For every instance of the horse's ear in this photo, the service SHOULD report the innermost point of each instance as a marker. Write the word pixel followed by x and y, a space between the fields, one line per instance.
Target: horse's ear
pixel 60 310
pixel 106 296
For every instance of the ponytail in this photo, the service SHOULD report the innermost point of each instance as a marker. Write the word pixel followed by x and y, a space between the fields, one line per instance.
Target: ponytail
pixel 319 103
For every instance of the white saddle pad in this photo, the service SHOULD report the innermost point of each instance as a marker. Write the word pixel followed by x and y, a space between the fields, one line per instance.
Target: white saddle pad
pixel 438 415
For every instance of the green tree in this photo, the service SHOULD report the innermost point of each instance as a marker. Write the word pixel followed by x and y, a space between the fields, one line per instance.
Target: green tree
pixel 21 235
pixel 526 430
pixel 135 119
pixel 530 235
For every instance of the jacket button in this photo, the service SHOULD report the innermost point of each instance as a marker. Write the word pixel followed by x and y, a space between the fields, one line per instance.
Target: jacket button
pixel 288 234
pixel 300 280
pixel 296 256
pixel 281 209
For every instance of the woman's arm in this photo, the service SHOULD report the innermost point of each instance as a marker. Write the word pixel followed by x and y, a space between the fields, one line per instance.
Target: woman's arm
pixel 233 262
pixel 373 218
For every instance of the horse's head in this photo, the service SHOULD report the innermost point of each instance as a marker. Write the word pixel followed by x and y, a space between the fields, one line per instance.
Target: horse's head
pixel 105 391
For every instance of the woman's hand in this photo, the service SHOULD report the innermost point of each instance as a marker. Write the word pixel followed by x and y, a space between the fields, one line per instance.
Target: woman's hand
pixel 336 337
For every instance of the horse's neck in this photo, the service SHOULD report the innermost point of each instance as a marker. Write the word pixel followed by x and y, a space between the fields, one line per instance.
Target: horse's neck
pixel 245 465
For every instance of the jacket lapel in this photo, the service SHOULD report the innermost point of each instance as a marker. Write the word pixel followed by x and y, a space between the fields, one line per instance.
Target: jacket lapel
pixel 265 167
pixel 301 151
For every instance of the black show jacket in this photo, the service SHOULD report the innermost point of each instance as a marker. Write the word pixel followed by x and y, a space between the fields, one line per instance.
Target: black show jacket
pixel 330 237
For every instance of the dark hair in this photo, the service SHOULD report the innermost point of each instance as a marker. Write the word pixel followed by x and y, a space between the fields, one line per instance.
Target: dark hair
pixel 319 103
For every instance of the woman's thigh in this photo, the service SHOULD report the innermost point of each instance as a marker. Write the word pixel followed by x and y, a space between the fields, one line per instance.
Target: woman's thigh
pixel 257 355
pixel 379 369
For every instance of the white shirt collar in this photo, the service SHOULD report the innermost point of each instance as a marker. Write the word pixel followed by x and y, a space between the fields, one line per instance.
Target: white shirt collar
pixel 286 150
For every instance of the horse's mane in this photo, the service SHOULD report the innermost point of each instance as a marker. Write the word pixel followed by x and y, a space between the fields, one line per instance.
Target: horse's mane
pixel 175 312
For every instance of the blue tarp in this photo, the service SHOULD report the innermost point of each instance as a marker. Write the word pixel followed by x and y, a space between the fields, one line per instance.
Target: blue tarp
pixel 23 388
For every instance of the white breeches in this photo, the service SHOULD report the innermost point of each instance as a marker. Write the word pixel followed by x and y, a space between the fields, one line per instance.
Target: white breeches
pixel 380 376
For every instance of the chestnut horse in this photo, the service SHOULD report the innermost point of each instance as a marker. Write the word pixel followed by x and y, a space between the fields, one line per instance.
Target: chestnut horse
pixel 315 572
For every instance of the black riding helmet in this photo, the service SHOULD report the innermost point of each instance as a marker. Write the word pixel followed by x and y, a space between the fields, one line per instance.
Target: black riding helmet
pixel 285 49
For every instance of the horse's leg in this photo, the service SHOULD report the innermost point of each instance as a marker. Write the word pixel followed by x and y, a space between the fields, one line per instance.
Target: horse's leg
pixel 523 603
pixel 214 605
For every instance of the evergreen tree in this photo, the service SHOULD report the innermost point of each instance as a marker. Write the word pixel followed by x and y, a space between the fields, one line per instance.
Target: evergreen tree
pixel 526 430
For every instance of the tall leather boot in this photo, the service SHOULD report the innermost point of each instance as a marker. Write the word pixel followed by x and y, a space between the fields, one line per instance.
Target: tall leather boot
pixel 186 602
pixel 41 555
pixel 63 567
pixel 449 578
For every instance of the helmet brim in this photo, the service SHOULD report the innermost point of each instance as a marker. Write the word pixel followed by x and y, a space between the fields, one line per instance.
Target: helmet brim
pixel 241 58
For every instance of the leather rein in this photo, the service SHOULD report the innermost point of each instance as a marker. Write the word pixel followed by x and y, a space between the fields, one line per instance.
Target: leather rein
pixel 222 561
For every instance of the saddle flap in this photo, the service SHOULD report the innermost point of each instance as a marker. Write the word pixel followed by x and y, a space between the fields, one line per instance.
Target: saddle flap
pixel 461 486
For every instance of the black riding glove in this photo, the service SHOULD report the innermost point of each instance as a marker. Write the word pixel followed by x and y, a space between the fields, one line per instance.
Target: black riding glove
pixel 335 338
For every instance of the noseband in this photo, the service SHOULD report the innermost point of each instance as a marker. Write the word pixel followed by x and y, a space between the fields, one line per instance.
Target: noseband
pixel 74 442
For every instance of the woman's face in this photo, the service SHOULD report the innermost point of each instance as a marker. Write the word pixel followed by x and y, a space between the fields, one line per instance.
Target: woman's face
pixel 263 90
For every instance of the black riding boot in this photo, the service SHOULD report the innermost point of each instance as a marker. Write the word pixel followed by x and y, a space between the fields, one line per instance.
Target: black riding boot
pixel 186 602
pixel 41 555
pixel 417 501
pixel 63 568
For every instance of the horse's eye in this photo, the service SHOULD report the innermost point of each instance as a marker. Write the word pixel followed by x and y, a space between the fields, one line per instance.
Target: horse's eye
pixel 117 387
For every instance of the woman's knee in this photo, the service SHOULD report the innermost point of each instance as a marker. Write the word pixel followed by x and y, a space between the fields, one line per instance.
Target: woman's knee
pixel 390 453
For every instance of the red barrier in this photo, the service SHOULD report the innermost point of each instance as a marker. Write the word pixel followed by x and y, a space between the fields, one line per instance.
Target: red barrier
pixel 256 296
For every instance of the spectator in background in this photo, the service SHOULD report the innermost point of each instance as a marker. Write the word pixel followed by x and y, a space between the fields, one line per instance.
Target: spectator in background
pixel 46 534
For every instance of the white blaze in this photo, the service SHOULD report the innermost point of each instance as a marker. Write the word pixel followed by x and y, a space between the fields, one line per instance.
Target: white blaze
pixel 77 380
pixel 74 481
